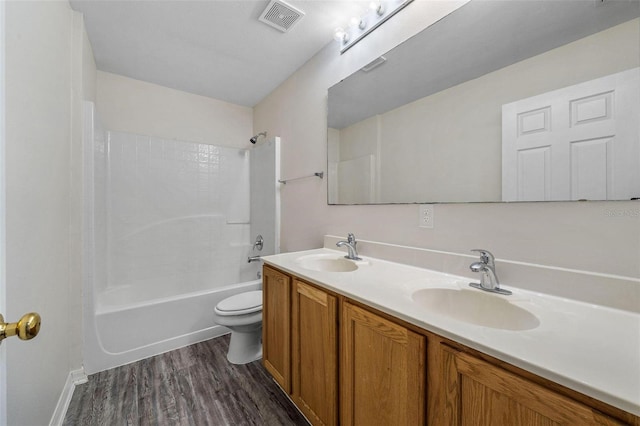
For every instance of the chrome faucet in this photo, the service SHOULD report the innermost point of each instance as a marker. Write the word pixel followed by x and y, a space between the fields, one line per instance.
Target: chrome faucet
pixel 487 267
pixel 351 244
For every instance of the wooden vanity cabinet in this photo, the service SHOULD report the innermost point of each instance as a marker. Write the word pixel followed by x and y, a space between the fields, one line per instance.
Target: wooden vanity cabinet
pixel 276 325
pixel 382 371
pixel 482 394
pixel 315 353
pixel 468 388
pixel 394 373
pixel 382 363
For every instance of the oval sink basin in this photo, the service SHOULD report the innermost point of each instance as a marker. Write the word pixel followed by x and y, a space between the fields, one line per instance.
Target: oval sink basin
pixel 476 307
pixel 327 263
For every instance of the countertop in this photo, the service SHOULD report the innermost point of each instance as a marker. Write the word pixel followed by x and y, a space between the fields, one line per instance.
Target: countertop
pixel 589 348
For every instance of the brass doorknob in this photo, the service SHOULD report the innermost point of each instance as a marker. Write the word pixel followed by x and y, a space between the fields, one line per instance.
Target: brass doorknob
pixel 26 328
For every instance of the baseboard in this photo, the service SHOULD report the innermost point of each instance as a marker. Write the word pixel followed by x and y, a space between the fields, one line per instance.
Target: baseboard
pixel 75 377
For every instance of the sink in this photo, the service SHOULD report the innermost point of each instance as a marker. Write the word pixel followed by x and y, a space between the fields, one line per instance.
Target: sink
pixel 476 307
pixel 326 263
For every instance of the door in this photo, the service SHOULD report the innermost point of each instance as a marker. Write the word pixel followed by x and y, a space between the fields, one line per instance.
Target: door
pixel 29 325
pixel 3 292
pixel 34 148
pixel 576 143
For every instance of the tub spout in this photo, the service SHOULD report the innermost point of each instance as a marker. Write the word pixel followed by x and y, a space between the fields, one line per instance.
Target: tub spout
pixel 253 259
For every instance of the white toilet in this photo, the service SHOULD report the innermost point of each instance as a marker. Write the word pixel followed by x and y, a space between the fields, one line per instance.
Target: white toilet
pixel 242 314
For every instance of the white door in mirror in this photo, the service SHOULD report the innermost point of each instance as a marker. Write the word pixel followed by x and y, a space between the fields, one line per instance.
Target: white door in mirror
pixel 575 143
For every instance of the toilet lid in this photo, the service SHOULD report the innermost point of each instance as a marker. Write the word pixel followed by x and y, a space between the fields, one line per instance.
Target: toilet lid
pixel 239 304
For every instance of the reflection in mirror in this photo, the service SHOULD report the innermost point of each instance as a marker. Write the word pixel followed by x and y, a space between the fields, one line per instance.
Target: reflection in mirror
pixel 499 101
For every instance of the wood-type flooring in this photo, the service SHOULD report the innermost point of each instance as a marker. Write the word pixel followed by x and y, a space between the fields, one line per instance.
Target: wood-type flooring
pixel 195 385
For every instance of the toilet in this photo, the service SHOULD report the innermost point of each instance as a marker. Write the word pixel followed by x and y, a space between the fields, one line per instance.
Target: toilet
pixel 242 314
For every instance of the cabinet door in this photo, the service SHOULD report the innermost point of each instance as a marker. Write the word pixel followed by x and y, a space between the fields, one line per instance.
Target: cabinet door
pixel 382 371
pixel 479 393
pixel 315 353
pixel 276 326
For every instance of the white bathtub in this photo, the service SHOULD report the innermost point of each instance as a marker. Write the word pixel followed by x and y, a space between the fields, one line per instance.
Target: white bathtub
pixel 121 333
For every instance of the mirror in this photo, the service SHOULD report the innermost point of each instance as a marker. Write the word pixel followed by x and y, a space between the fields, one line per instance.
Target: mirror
pixel 498 101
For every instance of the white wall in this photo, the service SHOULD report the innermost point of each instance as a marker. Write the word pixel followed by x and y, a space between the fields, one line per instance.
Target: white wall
pixel 83 82
pixel 265 196
pixel 133 106
pixel 596 236
pixel 357 168
pixel 45 79
pixel 89 71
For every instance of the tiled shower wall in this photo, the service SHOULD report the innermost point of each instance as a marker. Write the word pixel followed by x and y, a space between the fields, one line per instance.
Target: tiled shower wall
pixel 177 215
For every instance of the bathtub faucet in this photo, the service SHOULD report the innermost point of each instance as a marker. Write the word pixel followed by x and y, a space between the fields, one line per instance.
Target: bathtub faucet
pixel 253 259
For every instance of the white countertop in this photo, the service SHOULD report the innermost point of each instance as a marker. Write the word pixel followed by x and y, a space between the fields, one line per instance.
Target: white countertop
pixel 589 348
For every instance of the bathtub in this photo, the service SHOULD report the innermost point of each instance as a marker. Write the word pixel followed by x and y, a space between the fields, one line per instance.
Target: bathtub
pixel 123 332
pixel 160 250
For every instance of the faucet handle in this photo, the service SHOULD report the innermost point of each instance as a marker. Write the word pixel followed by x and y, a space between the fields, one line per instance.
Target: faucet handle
pixel 351 239
pixel 485 256
pixel 259 244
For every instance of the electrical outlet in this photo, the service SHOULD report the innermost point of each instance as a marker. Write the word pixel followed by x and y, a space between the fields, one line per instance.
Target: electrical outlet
pixel 425 218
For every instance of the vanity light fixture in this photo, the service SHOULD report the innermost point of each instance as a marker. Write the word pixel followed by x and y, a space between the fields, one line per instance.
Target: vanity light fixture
pixel 380 11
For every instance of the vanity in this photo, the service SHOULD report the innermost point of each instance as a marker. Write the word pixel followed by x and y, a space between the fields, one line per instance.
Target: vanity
pixel 476 108
pixel 375 342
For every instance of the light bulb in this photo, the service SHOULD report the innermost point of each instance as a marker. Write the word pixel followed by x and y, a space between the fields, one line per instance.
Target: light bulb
pixel 377 7
pixel 341 35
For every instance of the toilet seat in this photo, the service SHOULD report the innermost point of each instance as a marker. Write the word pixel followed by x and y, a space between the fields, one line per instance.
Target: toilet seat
pixel 240 304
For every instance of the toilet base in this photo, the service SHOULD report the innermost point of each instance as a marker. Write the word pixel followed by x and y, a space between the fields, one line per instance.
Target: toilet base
pixel 245 347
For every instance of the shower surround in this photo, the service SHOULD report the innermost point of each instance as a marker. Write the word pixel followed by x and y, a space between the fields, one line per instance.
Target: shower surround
pixel 167 234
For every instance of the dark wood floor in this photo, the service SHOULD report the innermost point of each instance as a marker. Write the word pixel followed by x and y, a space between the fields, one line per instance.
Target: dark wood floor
pixel 195 385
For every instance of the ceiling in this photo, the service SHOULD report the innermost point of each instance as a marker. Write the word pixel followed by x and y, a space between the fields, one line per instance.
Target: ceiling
pixel 214 48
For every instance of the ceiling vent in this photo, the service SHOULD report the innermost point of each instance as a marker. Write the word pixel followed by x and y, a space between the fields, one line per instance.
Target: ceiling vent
pixel 281 15
pixel 374 64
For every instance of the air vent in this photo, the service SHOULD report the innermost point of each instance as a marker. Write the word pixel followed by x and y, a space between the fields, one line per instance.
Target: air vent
pixel 374 64
pixel 281 15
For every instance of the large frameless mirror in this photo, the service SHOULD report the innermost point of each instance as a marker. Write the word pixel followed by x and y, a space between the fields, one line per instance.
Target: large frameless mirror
pixel 532 100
